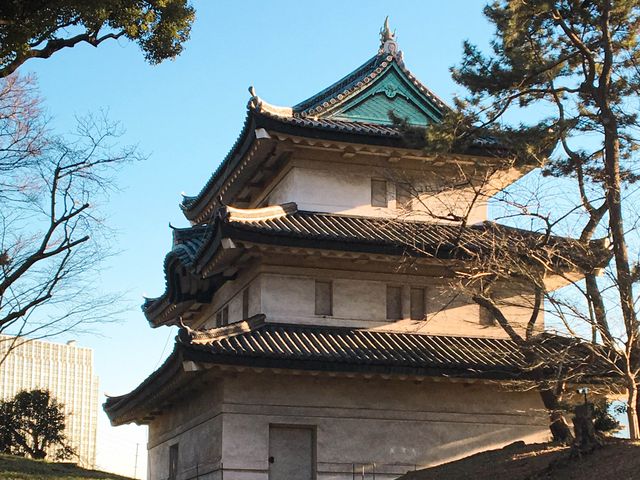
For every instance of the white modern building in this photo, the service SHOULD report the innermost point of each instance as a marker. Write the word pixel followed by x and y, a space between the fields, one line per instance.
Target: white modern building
pixel 66 370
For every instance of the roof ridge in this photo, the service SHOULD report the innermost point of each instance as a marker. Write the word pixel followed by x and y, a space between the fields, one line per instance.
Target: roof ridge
pixel 268 324
pixel 388 219
pixel 188 336
pixel 257 214
pixel 341 84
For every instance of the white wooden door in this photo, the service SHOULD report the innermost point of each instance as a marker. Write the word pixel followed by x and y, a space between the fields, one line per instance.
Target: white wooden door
pixel 291 453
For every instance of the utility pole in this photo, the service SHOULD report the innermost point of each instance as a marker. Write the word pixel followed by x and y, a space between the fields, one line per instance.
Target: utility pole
pixel 135 468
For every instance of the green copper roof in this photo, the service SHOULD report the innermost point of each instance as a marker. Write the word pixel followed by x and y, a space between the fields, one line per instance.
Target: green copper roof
pixel 381 85
pixel 358 104
pixel 390 92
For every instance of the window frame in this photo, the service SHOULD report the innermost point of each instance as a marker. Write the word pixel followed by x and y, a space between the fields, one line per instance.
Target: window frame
pixel 406 202
pixel 375 202
pixel 245 303
pixel 174 461
pixel 328 312
pixel 422 303
pixel 389 313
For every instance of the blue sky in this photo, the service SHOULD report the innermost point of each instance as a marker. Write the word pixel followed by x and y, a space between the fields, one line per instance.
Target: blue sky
pixel 186 114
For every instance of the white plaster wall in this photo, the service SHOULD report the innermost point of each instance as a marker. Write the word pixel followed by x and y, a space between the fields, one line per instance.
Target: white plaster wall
pixel 230 294
pixel 452 313
pixel 195 424
pixel 235 307
pixel 397 424
pixel 361 302
pixel 336 188
pixel 287 298
pixel 291 299
pixel 517 303
pixel 284 189
pixel 360 299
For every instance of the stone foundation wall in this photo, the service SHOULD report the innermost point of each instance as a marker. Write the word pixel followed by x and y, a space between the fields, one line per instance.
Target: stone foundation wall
pixel 397 424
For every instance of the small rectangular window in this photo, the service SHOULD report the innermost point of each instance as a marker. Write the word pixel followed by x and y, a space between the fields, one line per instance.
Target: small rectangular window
pixel 403 196
pixel 394 303
pixel 219 318
pixel 486 317
pixel 225 315
pixel 417 304
pixel 324 298
pixel 173 462
pixel 245 303
pixel 378 193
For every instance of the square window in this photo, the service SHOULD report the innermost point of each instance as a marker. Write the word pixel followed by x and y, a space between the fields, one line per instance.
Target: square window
pixel 324 298
pixel 394 303
pixel 173 462
pixel 417 304
pixel 245 303
pixel 378 193
pixel 403 196
pixel 486 317
pixel 222 317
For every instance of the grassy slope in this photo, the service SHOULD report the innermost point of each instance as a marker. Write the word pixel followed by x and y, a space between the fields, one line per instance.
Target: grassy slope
pixel 16 468
pixel 618 460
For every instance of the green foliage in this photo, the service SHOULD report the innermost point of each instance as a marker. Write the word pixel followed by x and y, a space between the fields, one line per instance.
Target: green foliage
pixel 603 421
pixel 39 28
pixel 559 55
pixel 32 424
pixel 559 88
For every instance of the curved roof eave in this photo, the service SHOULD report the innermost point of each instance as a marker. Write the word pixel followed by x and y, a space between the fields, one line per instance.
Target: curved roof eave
pixel 122 409
pixel 308 115
pixel 188 244
pixel 191 205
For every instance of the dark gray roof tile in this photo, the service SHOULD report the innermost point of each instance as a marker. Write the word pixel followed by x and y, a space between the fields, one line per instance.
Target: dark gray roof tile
pixel 297 345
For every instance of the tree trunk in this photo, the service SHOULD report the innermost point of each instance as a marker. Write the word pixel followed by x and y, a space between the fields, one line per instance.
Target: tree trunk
pixel 560 429
pixel 632 409
pixel 587 439
pixel 39 454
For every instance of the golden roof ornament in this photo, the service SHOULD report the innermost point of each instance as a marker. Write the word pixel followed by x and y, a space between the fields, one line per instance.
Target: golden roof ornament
pixel 388 44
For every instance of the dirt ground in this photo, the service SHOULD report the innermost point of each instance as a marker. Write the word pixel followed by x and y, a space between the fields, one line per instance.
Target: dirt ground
pixel 617 460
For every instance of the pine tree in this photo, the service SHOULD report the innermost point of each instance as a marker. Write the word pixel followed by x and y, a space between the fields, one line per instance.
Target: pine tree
pixel 32 424
pixel 572 68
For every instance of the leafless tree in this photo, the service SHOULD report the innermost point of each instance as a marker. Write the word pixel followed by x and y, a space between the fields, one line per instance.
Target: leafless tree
pixel 559 87
pixel 513 274
pixel 52 237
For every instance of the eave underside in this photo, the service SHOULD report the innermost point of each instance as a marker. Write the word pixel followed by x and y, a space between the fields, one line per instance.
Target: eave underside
pixel 259 148
pixel 311 350
pixel 235 232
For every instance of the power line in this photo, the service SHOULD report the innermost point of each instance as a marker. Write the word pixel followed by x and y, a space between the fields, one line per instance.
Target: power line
pixel 135 468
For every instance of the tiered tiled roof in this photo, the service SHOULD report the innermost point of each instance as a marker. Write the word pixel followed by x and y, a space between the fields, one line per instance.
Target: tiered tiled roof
pixel 345 126
pixel 394 236
pixel 305 346
pixel 371 90
pixel 258 344
pixel 354 110
pixel 286 226
pixel 187 242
